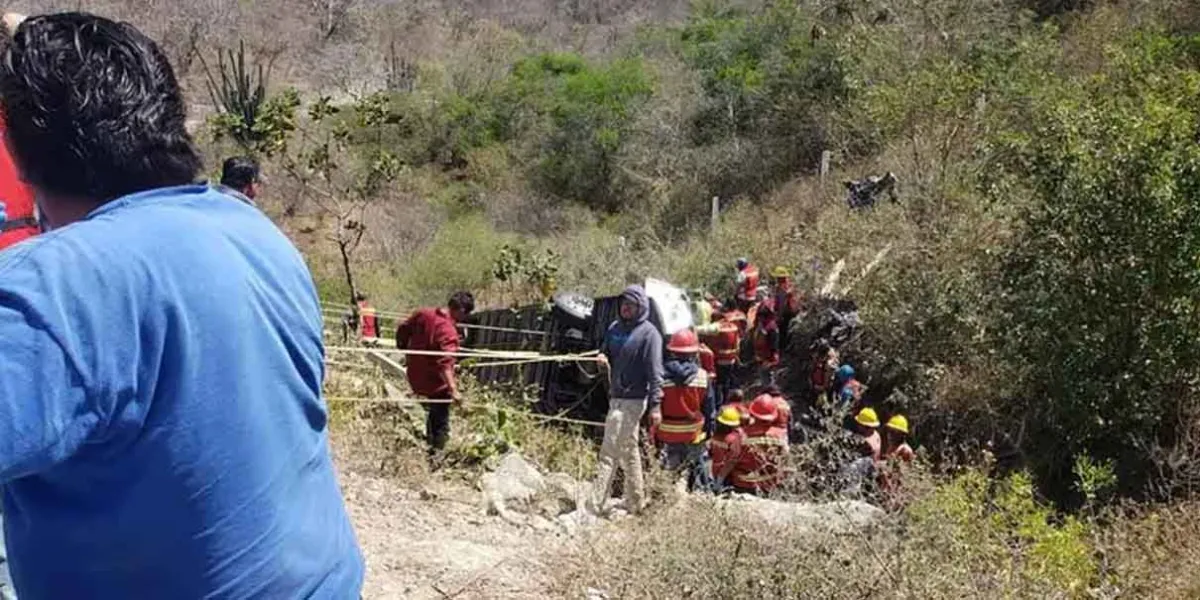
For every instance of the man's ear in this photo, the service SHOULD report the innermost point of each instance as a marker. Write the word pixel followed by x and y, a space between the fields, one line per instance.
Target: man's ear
pixel 11 22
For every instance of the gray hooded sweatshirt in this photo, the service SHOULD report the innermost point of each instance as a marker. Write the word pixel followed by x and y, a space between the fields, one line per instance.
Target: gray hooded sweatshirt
pixel 635 352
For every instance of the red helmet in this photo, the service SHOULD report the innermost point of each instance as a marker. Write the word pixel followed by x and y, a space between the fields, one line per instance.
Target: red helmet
pixel 684 342
pixel 764 409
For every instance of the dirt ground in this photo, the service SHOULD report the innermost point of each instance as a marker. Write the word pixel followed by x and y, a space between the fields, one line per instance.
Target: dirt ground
pixel 429 537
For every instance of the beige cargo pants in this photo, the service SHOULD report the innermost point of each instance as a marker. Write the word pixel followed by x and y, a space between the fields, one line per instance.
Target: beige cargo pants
pixel 620 448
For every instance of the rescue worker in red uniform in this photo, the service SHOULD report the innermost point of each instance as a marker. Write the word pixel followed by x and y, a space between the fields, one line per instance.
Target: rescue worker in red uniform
pixel 738 374
pixel 725 446
pixel 725 338
pixel 737 317
pixel 787 302
pixel 19 216
pixel 760 468
pixel 746 288
pixel 737 399
pixel 765 340
pixel 896 439
pixel 708 361
pixel 825 362
pixel 368 321
pixel 679 420
pixel 781 404
pixel 864 468
pixel 896 453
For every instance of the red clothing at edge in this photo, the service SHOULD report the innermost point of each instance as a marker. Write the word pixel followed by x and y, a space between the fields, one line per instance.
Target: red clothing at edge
pixel 428 329
pixel 708 361
pixel 18 201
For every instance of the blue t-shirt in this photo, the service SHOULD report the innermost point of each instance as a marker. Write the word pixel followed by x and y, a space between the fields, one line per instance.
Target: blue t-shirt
pixel 162 432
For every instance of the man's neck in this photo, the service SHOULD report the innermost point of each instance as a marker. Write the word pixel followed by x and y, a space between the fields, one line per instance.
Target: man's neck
pixel 59 212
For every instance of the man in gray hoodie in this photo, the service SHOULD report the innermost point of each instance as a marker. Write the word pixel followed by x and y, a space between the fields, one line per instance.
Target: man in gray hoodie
pixel 632 351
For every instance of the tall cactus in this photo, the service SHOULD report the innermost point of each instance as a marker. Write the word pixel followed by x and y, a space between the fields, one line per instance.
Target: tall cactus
pixel 239 94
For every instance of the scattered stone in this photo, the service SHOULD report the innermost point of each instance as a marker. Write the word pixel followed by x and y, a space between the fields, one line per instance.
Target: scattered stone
pixel 514 482
pixel 518 493
pixel 834 517
pixel 595 594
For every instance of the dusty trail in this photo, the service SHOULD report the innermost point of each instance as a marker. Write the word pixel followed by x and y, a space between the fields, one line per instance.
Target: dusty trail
pixel 434 540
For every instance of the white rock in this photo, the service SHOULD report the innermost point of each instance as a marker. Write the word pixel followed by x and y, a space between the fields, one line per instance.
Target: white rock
pixel 834 517
pixel 514 482
pixel 595 594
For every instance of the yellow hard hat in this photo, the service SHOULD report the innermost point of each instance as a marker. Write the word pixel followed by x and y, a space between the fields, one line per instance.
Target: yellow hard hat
pixel 867 418
pixel 730 416
pixel 780 271
pixel 898 423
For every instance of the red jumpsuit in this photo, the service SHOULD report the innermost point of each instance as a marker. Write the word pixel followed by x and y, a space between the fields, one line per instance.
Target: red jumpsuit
pixel 760 468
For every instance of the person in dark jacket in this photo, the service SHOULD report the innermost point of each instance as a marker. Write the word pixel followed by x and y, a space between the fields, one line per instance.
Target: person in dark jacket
pixel 632 352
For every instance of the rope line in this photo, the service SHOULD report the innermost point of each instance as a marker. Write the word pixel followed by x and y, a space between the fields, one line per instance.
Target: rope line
pixel 488 407
pixel 339 311
pixel 530 332
pixel 591 356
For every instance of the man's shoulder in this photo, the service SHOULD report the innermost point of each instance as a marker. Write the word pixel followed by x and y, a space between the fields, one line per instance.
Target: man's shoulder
pixel 193 232
pixel 430 315
pixel 648 329
pixel 235 194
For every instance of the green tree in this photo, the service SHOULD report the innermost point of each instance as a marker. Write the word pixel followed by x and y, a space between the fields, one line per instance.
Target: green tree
pixel 588 110
pixel 1099 297
pixel 769 87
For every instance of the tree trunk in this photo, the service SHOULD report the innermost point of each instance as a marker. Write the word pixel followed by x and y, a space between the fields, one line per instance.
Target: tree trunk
pixel 344 248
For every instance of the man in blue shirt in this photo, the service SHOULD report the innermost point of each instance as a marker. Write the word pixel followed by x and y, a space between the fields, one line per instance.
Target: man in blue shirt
pixel 162 432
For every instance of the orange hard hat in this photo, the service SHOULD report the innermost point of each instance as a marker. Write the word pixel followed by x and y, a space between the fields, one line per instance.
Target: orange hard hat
pixel 764 409
pixel 684 342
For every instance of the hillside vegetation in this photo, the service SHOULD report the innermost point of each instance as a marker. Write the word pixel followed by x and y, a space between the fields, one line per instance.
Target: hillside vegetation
pixel 1038 299
pixel 1037 306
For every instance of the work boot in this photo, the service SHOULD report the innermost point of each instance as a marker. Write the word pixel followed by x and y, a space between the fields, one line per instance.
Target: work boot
pixel 436 459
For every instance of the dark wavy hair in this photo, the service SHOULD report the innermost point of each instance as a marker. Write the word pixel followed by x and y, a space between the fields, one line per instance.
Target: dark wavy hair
pixel 239 172
pixel 93 109
pixel 464 301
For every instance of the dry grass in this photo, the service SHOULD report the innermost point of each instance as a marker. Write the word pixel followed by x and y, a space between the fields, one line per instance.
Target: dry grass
pixel 951 542
pixel 1152 553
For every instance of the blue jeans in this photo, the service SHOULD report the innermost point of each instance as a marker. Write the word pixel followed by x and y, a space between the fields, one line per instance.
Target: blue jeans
pixel 694 459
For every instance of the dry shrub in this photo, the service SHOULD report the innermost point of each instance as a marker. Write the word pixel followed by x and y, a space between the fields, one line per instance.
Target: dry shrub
pixel 695 550
pixel 1152 552
pixel 957 538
